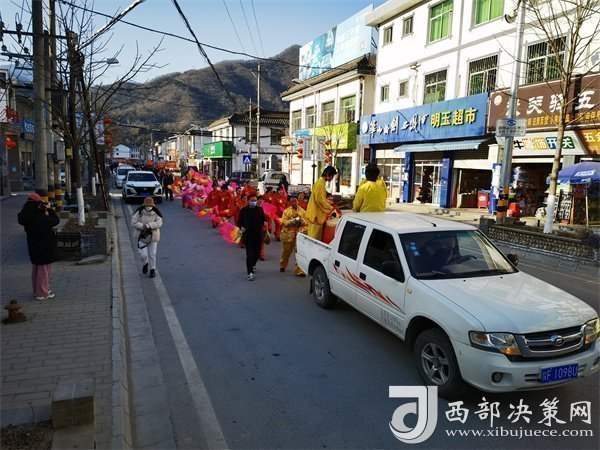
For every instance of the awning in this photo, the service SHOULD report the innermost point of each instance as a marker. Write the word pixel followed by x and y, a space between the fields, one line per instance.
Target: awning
pixel 468 144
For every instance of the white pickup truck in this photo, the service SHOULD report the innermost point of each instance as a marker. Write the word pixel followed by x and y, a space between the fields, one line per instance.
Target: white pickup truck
pixel 463 308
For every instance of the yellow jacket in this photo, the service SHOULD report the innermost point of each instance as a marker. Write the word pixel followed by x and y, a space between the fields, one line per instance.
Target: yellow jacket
pixel 370 197
pixel 318 207
pixel 291 227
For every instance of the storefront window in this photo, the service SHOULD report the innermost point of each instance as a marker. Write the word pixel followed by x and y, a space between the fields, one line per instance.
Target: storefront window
pixel 344 167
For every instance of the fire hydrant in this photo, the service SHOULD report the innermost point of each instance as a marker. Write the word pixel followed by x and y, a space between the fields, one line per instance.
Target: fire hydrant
pixel 14 312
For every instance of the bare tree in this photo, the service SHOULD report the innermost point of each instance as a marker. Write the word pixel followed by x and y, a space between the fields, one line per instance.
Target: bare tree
pixel 570 30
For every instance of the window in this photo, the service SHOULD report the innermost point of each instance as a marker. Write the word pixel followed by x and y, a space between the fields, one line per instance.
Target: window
pixel 276 136
pixel 388 34
pixel 348 109
pixel 486 10
pixel 296 120
pixel 542 64
pixel 251 134
pixel 407 26
pixel 403 88
pixel 344 167
pixel 381 248
pixel 440 21
pixel 311 117
pixel 384 93
pixel 435 87
pixel 327 112
pixel 482 75
pixel 350 240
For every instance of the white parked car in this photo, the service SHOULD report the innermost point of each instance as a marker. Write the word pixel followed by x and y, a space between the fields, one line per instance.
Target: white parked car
pixel 140 184
pixel 122 171
pixel 271 178
pixel 468 314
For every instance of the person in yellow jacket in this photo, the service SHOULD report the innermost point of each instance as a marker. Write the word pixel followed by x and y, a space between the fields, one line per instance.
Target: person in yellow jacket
pixel 371 195
pixel 318 206
pixel 293 222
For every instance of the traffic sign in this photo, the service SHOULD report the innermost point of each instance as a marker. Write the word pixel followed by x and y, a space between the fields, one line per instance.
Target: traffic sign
pixel 246 159
pixel 511 127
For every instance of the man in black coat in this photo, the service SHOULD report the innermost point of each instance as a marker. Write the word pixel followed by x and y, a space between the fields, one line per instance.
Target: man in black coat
pixel 38 219
pixel 167 181
pixel 252 223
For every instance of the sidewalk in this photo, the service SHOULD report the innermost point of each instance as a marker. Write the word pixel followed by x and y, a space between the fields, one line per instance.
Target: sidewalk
pixel 71 334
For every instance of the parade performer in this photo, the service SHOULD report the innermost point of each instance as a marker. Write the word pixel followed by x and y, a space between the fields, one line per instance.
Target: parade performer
pixel 371 194
pixel 293 222
pixel 280 201
pixel 146 222
pixel 252 225
pixel 319 207
pixel 301 202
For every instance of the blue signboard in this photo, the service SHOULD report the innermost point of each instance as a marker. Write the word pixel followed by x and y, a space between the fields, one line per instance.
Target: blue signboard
pixel 451 119
pixel 28 129
pixel 246 159
pixel 344 42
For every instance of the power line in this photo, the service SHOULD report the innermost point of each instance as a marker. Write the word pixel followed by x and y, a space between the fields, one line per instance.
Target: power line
pixel 248 26
pixel 187 24
pixel 258 28
pixel 234 27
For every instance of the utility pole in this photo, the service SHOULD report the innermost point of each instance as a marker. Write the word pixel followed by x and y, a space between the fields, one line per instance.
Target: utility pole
pixel 58 156
pixel 258 122
pixel 250 132
pixel 506 169
pixel 39 101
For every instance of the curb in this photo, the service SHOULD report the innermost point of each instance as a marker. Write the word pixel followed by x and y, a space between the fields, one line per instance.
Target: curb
pixel 121 418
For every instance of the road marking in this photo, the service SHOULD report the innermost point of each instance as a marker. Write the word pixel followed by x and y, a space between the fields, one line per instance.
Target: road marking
pixel 563 274
pixel 206 413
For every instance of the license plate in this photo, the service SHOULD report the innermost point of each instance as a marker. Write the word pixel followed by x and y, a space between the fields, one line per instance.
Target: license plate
pixel 146 194
pixel 559 373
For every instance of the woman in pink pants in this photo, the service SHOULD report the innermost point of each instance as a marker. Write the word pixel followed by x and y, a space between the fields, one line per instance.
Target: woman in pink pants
pixel 38 219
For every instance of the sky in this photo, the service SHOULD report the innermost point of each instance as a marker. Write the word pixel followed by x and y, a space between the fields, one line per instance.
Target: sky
pixel 281 23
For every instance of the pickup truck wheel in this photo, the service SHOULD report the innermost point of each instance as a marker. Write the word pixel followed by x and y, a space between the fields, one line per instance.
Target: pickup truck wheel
pixel 321 291
pixel 437 363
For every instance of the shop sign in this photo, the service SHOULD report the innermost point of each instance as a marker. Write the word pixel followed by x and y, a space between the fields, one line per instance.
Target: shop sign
pixel 539 104
pixel 545 144
pixel 28 129
pixel 591 140
pixel 340 136
pixel 451 119
pixel 220 149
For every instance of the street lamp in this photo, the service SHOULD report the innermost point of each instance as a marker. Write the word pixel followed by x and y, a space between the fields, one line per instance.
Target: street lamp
pixel 312 140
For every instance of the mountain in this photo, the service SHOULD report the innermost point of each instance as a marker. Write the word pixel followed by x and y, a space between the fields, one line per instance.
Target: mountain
pixel 175 101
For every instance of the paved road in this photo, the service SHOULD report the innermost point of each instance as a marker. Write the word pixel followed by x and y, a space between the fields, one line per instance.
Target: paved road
pixel 280 372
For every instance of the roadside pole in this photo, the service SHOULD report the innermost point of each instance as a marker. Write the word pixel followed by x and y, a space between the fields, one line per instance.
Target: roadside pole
pixel 39 101
pixel 257 123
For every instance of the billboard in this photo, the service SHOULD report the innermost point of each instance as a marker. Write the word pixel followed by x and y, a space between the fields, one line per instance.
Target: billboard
pixel 344 42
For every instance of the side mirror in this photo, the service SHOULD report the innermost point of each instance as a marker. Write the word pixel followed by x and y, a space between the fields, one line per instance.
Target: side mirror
pixel 513 258
pixel 393 269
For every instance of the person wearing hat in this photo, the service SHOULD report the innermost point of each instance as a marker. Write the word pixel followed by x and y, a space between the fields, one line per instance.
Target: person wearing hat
pixel 146 222
pixel 39 218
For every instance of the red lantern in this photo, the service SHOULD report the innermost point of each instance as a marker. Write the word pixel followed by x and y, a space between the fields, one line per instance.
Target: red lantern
pixel 327 142
pixel 327 160
pixel 300 141
pixel 10 143
pixel 327 153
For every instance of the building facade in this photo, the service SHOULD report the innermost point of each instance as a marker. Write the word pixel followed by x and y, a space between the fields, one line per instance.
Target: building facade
pixel 446 54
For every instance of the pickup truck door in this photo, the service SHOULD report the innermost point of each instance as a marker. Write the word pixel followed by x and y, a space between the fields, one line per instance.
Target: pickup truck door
pixel 344 254
pixel 381 295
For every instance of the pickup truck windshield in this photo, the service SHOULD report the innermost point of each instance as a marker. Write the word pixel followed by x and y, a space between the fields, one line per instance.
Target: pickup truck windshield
pixel 452 254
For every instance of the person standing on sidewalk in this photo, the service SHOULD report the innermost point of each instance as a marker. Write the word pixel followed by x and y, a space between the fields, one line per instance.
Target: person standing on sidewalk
pixel 318 206
pixel 293 221
pixel 252 224
pixel 372 194
pixel 147 221
pixel 39 218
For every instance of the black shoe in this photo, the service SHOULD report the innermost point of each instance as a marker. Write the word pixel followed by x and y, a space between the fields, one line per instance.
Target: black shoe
pixel 282 269
pixel 152 274
pixel 145 268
